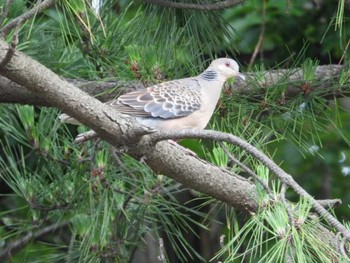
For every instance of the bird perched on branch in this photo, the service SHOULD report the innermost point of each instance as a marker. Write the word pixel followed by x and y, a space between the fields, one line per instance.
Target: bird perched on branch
pixel 177 104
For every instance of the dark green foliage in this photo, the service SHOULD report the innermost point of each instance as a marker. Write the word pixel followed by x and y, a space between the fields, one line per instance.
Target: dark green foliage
pixel 109 206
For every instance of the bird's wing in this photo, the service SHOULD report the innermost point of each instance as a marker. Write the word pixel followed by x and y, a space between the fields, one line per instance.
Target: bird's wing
pixel 167 100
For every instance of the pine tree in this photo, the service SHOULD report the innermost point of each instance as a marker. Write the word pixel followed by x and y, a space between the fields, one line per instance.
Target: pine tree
pixel 131 196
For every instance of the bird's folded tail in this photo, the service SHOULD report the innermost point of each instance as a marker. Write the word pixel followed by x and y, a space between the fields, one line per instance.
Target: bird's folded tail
pixel 82 137
pixel 68 119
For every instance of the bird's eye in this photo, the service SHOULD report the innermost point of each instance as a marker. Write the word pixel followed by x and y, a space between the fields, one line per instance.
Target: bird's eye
pixel 227 64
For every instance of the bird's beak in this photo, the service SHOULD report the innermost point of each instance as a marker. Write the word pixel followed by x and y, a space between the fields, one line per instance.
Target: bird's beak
pixel 241 76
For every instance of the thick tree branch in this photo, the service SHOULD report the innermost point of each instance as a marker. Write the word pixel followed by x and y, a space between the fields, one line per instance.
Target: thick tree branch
pixel 202 7
pixel 291 80
pixel 12 92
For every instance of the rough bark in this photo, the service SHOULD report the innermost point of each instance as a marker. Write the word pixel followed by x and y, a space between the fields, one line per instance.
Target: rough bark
pixel 292 81
pixel 12 92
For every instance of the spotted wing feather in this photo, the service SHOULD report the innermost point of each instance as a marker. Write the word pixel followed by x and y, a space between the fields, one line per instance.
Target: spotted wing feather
pixel 168 100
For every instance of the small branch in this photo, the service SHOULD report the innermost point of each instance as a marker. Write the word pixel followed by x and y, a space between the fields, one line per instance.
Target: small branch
pixel 47 155
pixel 330 203
pixel 261 37
pixel 17 245
pixel 202 7
pixel 248 171
pixel 5 10
pixel 27 15
pixel 282 175
pixel 37 206
pixel 286 205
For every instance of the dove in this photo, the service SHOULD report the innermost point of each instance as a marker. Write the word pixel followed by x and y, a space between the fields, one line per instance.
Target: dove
pixel 177 104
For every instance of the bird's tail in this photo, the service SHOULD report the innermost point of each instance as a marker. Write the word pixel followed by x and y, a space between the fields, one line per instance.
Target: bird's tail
pixel 82 137
pixel 68 119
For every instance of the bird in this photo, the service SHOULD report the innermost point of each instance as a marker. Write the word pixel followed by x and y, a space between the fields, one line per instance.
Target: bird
pixel 186 103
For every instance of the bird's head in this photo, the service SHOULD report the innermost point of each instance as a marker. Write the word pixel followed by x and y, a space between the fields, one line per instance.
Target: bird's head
pixel 226 68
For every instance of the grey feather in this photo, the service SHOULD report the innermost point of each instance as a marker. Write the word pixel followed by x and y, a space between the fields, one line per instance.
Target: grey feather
pixel 168 100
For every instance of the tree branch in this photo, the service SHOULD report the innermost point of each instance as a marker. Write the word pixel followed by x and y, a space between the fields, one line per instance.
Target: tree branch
pixel 5 10
pixel 261 38
pixel 290 79
pixel 285 178
pixel 17 245
pixel 27 15
pixel 12 92
pixel 202 7
pixel 248 171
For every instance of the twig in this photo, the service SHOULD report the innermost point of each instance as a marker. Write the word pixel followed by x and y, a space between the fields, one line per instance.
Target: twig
pixel 5 10
pixel 248 171
pixel 202 7
pixel 69 255
pixel 17 245
pixel 261 37
pixel 27 15
pixel 282 175
pixel 47 155
pixel 286 205
pixel 36 206
pixel 329 203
